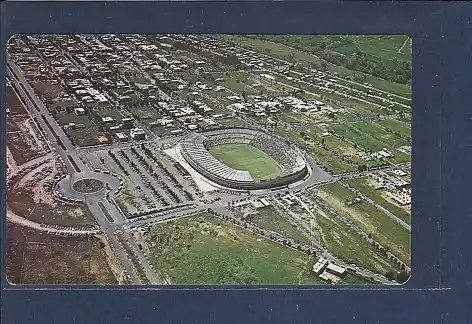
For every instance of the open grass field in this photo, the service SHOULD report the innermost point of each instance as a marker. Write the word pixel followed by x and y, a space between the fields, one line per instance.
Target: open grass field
pixel 283 52
pixel 396 126
pixel 386 47
pixel 381 134
pixel 48 90
pixel 202 249
pixel 81 138
pixel 246 157
pixel 372 221
pixel 401 158
pixel 331 162
pixel 268 218
pixel 77 135
pixel 334 143
pixel 236 81
pixel 293 117
pixel 376 196
pixel 346 244
pixel 145 113
pixel 45 259
pixel 383 47
pixel 351 279
pixel 357 137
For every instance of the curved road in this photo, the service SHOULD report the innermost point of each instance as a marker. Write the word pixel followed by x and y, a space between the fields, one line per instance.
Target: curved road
pixel 37 109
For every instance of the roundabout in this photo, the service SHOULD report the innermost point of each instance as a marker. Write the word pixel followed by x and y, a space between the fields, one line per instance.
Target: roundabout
pixel 91 186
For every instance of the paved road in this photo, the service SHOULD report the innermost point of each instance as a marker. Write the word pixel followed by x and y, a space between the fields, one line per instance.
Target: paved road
pixel 37 109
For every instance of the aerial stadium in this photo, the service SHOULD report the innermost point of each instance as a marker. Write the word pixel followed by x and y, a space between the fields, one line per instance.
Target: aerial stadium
pixel 244 159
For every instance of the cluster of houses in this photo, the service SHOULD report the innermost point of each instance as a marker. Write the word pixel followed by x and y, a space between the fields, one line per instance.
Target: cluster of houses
pixel 132 70
pixel 396 183
pixel 329 271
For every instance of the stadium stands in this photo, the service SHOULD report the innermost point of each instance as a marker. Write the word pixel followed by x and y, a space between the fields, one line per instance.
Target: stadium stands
pixel 195 148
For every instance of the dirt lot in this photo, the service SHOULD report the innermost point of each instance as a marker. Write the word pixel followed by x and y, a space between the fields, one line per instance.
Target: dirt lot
pixel 21 202
pixel 14 124
pixel 13 103
pixel 18 144
pixel 24 140
pixel 28 199
pixel 48 90
pixel 33 258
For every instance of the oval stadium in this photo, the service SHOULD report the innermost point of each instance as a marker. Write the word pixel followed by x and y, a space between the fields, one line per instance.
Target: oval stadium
pixel 244 159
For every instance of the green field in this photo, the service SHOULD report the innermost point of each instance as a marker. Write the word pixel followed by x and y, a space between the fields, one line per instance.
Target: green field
pixel 334 143
pixel 236 81
pixel 268 218
pixel 385 47
pixel 306 59
pixel 396 126
pixel 345 243
pixel 357 137
pixel 355 280
pixel 246 157
pixel 371 220
pixel 202 249
pixel 291 117
pixel 381 134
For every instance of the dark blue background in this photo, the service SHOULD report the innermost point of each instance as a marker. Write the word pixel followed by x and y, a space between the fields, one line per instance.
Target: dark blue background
pixel 439 291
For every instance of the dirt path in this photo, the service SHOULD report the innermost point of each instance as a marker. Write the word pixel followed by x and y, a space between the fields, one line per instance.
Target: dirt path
pixel 40 227
pixel 404 43
pixel 345 210
pixel 39 194
pixel 32 131
pixel 14 169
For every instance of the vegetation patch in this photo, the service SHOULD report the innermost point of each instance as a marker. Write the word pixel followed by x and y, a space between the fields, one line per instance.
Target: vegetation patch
pixel 385 230
pixel 268 218
pixel 348 245
pixel 202 249
pixel 88 185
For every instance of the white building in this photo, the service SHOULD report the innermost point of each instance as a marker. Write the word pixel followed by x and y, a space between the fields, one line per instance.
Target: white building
pixel 138 134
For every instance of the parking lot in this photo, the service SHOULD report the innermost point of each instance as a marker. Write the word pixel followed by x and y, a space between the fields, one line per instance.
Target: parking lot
pixel 150 180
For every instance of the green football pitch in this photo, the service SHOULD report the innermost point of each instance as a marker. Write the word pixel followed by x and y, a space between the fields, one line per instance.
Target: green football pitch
pixel 246 157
